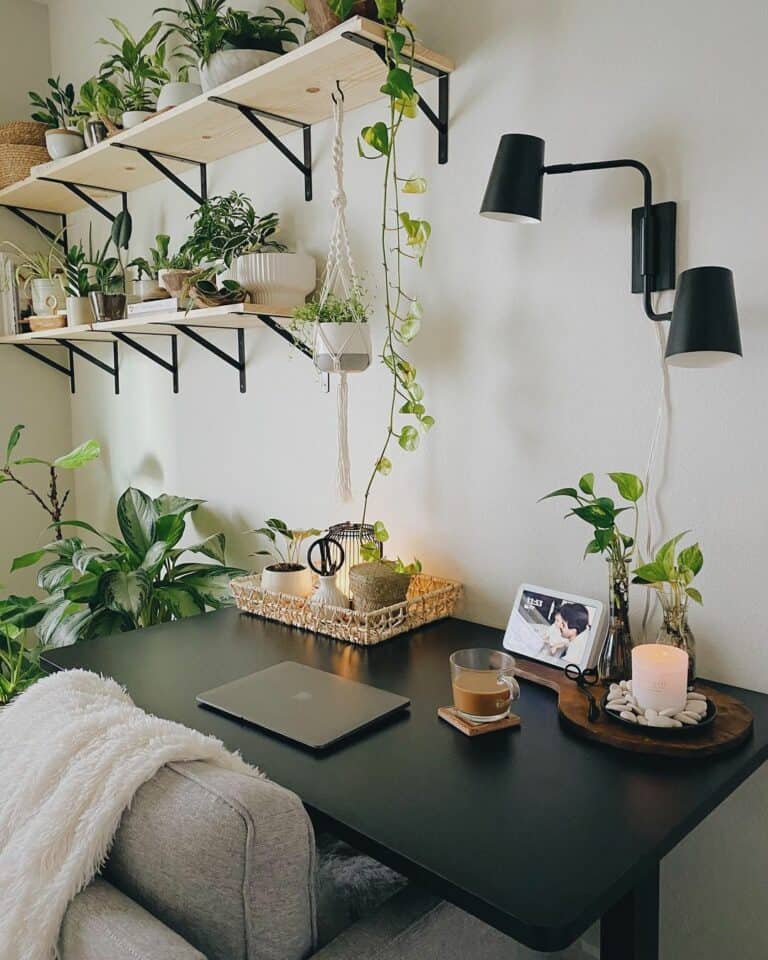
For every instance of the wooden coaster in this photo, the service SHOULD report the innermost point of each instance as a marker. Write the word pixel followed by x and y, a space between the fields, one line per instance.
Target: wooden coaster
pixel 470 729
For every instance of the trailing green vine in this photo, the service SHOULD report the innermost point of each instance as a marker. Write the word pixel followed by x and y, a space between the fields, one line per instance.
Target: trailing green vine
pixel 403 237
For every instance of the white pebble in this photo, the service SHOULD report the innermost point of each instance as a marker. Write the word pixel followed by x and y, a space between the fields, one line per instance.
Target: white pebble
pixel 642 721
pixel 651 714
pixel 623 684
pixel 628 715
pixel 615 706
pixel 614 688
pixel 628 684
pixel 669 712
pixel 687 718
pixel 663 722
pixel 696 717
pixel 696 696
pixel 615 695
pixel 696 706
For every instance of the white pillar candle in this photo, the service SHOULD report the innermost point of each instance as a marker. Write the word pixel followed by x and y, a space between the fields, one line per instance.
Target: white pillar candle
pixel 659 676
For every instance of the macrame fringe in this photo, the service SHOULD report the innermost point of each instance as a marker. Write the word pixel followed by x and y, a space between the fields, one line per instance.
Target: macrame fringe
pixel 343 469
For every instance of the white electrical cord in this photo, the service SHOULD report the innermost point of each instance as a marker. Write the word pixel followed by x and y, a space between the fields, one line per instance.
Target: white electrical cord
pixel 652 488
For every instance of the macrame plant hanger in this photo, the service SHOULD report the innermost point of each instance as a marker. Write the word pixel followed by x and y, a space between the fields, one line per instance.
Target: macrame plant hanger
pixel 341 348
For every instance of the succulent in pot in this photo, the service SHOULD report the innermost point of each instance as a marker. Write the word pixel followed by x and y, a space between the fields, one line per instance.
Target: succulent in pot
pixel 139 72
pixel 107 294
pixel 225 42
pixel 57 111
pixel 338 331
pixel 40 274
pixel 228 232
pixel 77 285
pixel 99 107
pixel 286 574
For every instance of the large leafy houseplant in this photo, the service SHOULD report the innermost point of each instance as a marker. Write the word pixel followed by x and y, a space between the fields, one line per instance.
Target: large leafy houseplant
pixel 128 582
pixel 139 71
pixel 402 238
pixel 227 227
pixel 19 663
pixel 51 500
pixel 57 108
pixel 602 514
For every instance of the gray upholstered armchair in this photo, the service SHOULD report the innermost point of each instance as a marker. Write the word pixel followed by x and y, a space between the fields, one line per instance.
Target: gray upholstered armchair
pixel 212 865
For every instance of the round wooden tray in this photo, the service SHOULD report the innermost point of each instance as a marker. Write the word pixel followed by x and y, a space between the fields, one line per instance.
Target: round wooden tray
pixel 732 725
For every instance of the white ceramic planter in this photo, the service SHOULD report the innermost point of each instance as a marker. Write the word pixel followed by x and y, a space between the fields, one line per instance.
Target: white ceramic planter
pixel 280 278
pixel 225 65
pixel 149 290
pixel 296 583
pixel 47 296
pixel 132 118
pixel 79 313
pixel 172 94
pixel 349 342
pixel 63 143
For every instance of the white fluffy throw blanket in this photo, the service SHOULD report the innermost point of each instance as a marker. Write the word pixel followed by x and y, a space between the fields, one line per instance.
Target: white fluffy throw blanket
pixel 74 750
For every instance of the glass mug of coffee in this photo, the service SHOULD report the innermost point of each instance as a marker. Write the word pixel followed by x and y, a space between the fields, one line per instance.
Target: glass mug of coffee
pixel 484 684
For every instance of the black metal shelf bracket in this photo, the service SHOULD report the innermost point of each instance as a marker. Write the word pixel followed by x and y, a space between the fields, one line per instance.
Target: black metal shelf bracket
pixel 171 366
pixel 113 371
pixel 67 371
pixel 79 190
pixel 23 213
pixel 256 117
pixel 156 157
pixel 438 120
pixel 237 362
pixel 280 330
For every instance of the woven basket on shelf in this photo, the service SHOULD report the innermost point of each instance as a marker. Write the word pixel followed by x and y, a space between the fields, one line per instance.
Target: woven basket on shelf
pixel 28 133
pixel 16 160
pixel 429 598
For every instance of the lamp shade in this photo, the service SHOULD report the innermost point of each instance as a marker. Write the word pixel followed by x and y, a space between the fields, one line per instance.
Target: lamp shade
pixel 705 325
pixel 515 186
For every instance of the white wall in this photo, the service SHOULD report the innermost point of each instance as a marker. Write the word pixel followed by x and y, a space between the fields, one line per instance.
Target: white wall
pixel 29 392
pixel 537 362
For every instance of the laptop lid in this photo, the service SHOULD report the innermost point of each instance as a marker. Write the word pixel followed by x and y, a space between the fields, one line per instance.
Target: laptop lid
pixel 304 704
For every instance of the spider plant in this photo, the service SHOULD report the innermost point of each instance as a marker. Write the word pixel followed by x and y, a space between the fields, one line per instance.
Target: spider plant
pixel 57 108
pixel 140 72
pixel 43 265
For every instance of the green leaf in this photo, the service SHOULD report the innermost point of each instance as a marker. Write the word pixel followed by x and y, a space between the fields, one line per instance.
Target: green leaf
pixel 597 515
pixel 691 559
pixel 170 529
pixel 24 461
pixel 342 8
pixel 122 228
pixel 53 576
pixel 415 185
pixel 154 556
pixel 587 484
pixel 82 525
pixel 136 517
pixel 399 84
pixel 125 592
pixel 90 450
pixel 377 137
pixel 13 439
pixel 82 559
pixel 384 466
pixel 593 547
pixel 380 532
pixel 630 486
pixel 213 547
pixel 665 555
pixel 694 594
pixel 27 560
pixel 650 573
pixel 427 421
pixel 70 627
pixel 85 589
pixel 213 587
pixel 562 492
pixel 169 505
pixel 182 601
pixel 409 438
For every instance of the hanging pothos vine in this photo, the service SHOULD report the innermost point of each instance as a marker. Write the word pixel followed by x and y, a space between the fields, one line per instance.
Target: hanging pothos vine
pixel 403 238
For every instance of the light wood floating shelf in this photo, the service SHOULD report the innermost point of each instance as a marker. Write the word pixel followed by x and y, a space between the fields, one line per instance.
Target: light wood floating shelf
pixel 295 86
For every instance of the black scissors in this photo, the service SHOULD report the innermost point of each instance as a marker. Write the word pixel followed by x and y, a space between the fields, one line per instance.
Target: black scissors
pixel 331 556
pixel 585 679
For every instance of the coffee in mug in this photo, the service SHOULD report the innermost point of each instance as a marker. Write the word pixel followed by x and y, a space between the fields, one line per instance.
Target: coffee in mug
pixel 484 684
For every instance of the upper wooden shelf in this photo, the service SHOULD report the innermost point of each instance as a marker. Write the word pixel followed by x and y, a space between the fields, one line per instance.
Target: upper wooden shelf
pixel 296 86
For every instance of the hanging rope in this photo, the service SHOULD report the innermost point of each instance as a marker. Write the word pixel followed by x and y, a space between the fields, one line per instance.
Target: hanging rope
pixel 338 281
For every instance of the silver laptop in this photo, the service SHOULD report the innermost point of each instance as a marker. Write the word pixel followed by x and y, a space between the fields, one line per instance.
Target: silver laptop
pixel 303 704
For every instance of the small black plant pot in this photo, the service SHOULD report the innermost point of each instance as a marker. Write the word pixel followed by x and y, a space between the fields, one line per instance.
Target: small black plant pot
pixel 95 132
pixel 107 306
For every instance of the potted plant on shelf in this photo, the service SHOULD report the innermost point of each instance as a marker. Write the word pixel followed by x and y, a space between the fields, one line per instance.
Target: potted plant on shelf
pixel 228 231
pixel 286 574
pixel 99 106
pixel 345 335
pixel 671 576
pixel 40 274
pixel 77 286
pixel 140 73
pixel 175 273
pixel 107 294
pixel 326 14
pixel 147 285
pixel 57 112
pixel 227 43
pixel 178 91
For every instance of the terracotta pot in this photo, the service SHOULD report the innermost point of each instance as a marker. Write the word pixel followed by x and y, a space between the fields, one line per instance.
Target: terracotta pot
pixel 321 18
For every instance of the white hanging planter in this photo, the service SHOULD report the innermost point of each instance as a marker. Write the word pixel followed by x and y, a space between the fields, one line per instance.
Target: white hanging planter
pixel 342 347
pixel 225 65
pixel 280 278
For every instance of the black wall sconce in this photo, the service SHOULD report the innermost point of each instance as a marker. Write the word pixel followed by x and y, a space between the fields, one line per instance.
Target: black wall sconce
pixel 704 330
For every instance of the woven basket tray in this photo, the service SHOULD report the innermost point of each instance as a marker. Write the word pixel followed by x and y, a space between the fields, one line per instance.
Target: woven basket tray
pixel 429 599
pixel 28 132
pixel 16 160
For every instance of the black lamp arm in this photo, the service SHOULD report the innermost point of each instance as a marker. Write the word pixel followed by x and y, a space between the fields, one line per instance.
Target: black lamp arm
pixel 648 265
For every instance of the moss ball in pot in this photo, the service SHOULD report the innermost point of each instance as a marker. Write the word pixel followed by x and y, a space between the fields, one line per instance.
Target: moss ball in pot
pixel 377 585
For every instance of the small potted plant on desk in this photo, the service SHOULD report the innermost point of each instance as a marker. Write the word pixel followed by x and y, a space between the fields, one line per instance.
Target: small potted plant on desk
pixel 227 230
pixel 140 73
pixel 107 295
pixel 57 112
pixel 228 43
pixel 286 574
pixel 99 106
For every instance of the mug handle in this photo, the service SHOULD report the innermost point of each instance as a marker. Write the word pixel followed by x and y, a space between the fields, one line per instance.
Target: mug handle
pixel 514 686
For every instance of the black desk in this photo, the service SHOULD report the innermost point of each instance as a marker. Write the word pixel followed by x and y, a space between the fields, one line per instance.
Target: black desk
pixel 534 831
